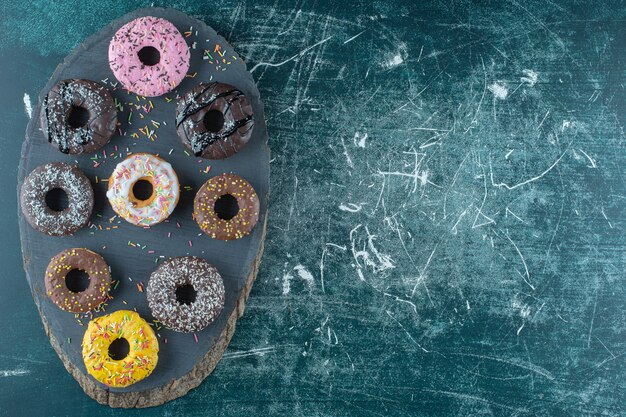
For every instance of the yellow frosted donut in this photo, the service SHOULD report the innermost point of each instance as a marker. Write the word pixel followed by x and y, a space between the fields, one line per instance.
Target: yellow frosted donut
pixel 120 349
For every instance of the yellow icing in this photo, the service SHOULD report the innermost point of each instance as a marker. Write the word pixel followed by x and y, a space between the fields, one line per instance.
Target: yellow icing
pixel 141 359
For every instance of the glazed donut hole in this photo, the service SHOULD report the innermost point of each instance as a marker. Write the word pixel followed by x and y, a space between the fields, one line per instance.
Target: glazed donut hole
pixel 77 280
pixel 119 349
pixel 77 117
pixel 185 294
pixel 149 56
pixel 57 200
pixel 143 189
pixel 226 207
pixel 213 121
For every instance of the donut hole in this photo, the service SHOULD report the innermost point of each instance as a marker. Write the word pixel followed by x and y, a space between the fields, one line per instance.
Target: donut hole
pixel 185 294
pixel 226 207
pixel 77 117
pixel 142 190
pixel 57 199
pixel 77 280
pixel 213 121
pixel 149 55
pixel 119 349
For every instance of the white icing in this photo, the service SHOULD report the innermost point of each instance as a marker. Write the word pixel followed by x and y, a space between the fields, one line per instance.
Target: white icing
pixel 164 183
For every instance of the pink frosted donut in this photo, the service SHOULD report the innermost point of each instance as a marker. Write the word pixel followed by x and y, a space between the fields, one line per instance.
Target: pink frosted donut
pixel 149 56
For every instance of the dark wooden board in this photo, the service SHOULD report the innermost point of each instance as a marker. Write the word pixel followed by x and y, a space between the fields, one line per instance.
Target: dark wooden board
pixel 183 361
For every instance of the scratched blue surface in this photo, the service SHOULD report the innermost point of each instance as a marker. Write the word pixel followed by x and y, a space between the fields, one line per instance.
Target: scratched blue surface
pixel 446 231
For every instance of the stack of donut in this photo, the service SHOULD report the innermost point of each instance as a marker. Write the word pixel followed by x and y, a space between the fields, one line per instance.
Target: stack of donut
pixel 149 57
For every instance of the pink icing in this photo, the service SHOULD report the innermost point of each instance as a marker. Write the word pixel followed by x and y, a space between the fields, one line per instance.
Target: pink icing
pixel 145 80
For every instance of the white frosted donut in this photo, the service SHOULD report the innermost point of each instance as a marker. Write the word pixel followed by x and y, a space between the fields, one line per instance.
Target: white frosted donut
pixel 165 189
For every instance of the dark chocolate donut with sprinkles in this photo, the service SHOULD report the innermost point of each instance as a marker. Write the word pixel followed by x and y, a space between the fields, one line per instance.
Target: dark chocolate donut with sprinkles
pixel 56 178
pixel 78 116
pixel 214 120
pixel 226 207
pixel 186 294
pixel 69 296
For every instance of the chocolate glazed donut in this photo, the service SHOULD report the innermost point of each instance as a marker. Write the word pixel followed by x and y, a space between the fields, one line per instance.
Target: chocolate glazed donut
pixel 68 295
pixel 78 116
pixel 214 120
pixel 226 207
pixel 186 294
pixel 56 178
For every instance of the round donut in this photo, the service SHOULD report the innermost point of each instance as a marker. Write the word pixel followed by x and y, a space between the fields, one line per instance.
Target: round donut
pixel 149 56
pixel 186 294
pixel 120 349
pixel 165 189
pixel 214 120
pixel 226 207
pixel 84 260
pixel 54 177
pixel 78 116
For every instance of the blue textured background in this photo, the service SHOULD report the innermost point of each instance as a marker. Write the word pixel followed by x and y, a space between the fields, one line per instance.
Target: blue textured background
pixel 446 229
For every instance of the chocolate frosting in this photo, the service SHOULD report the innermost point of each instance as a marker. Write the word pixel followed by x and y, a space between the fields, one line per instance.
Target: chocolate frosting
pixel 79 194
pixel 206 282
pixel 247 201
pixel 238 120
pixel 99 280
pixel 57 106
